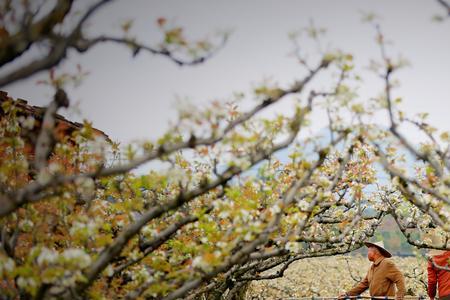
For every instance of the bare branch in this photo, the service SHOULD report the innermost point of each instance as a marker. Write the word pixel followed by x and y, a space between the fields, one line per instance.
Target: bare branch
pixel 54 57
pixel 14 46
pixel 446 5
pixel 45 141
pixel 90 11
pixel 84 44
pixel 426 157
pixel 355 278
pixel 60 44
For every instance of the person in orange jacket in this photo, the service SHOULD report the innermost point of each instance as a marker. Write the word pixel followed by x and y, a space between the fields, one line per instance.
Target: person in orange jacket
pixel 439 274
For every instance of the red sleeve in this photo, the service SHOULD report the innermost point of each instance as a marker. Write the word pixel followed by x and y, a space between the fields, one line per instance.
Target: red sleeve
pixel 432 280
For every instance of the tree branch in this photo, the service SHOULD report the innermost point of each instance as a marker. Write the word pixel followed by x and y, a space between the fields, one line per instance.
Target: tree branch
pixel 14 46
pixel 446 5
pixel 46 141
pixel 32 192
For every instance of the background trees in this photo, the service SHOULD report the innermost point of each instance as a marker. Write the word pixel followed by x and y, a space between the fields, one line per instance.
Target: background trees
pixel 238 193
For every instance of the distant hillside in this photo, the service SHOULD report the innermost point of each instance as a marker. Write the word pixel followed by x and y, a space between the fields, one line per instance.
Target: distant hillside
pixel 393 239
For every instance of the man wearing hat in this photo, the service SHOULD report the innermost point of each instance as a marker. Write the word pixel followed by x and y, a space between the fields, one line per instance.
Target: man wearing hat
pixel 382 276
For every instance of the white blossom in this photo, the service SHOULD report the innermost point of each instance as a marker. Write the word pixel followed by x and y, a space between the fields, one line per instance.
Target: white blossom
pixel 6 264
pixel 26 283
pixel 293 247
pixel 275 209
pixel 89 227
pixel 224 214
pixel 77 255
pixel 54 167
pixel 47 256
pixel 85 186
pixel 26 225
pixel 28 122
pixel 197 261
pixel 221 244
pixel 109 271
pixel 248 236
pixel 303 205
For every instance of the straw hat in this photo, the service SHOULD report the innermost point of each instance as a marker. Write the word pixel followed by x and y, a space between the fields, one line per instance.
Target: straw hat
pixel 380 246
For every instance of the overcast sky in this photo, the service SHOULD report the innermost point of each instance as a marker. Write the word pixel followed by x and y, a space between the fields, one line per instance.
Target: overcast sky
pixel 133 98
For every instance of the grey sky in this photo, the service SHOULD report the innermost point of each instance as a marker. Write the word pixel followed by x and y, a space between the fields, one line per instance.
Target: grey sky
pixel 133 98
